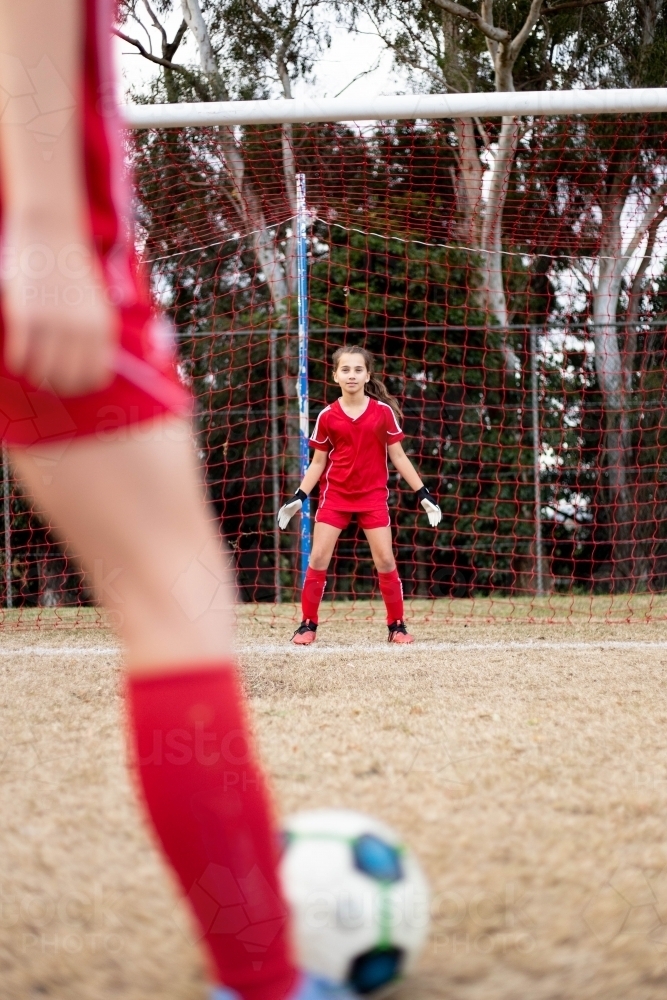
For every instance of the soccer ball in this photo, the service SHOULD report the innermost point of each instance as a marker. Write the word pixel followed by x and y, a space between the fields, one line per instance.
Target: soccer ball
pixel 359 899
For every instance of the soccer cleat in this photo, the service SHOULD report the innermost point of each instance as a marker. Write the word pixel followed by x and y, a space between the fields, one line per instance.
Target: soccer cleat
pixel 317 988
pixel 399 633
pixel 308 988
pixel 222 993
pixel 305 634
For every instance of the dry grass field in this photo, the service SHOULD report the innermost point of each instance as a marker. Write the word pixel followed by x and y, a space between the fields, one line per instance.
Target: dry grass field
pixel 525 763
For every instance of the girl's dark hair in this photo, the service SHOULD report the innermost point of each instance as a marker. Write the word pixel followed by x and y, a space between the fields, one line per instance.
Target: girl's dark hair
pixel 375 387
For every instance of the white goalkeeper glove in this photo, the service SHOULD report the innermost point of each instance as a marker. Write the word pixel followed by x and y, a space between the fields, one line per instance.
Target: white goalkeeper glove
pixel 288 510
pixel 428 502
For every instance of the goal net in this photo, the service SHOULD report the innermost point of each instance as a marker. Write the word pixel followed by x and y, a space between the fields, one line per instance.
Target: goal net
pixel 509 277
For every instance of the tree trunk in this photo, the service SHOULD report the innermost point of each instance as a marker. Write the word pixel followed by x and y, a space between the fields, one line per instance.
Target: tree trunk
pixel 650 495
pixel 468 183
pixel 491 241
pixel 615 376
pixel 248 202
pixel 279 274
pixel 609 368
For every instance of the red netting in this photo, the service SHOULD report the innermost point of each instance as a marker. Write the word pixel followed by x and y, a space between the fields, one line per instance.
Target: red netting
pixel 510 282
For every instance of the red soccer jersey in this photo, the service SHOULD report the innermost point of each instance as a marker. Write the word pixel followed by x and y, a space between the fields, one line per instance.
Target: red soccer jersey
pixel 356 474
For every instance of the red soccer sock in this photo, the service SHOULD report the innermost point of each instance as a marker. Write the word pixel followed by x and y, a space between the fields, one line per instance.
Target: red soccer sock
pixel 205 794
pixel 392 595
pixel 311 595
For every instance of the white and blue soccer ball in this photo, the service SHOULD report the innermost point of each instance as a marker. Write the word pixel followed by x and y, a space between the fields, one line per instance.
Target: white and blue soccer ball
pixel 360 901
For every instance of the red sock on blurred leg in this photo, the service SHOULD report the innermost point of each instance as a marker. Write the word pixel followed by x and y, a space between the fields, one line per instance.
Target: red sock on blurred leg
pixel 206 796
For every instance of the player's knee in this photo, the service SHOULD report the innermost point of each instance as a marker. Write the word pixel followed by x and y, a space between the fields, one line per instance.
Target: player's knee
pixel 385 564
pixel 319 560
pixel 318 564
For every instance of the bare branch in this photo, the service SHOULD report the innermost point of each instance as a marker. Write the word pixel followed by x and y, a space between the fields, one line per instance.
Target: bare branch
pixel 259 12
pixel 156 22
pixel 183 70
pixel 635 297
pixel 363 73
pixel 178 38
pixel 585 280
pixel 283 72
pixel 409 59
pixel 169 49
pixel 636 289
pixel 655 205
pixel 482 132
pixel 458 10
pixel 491 44
pixel 144 51
pixel 571 5
pixel 519 39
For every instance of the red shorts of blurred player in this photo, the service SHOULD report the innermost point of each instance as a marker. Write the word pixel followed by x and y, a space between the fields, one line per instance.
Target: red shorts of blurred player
pixel 143 388
pixel 144 384
pixel 365 518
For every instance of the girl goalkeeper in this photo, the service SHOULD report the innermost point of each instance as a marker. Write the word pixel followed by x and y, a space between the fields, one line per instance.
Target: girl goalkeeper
pixel 352 439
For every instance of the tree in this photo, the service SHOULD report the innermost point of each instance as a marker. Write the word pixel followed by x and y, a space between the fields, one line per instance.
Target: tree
pixel 440 42
pixel 533 45
pixel 244 48
pixel 209 82
pixel 619 207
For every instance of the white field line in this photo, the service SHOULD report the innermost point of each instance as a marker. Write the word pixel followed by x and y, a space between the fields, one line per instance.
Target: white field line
pixel 454 647
pixel 59 650
pixel 272 649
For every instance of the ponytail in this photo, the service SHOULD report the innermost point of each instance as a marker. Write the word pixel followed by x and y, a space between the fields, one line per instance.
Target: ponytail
pixel 375 387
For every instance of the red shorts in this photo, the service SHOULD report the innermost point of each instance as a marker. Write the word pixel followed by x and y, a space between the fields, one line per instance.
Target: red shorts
pixel 145 385
pixel 144 391
pixel 365 518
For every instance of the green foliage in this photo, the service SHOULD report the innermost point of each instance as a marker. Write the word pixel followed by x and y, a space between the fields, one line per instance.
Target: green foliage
pixel 621 43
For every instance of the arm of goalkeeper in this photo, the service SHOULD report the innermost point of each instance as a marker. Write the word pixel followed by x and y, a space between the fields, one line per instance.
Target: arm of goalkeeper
pixel 430 505
pixel 311 478
pixel 289 509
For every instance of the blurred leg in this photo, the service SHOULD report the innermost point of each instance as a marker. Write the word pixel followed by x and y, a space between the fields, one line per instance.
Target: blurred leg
pixel 134 511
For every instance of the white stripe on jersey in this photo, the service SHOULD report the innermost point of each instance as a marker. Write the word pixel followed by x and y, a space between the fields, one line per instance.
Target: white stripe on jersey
pixel 313 436
pixel 144 376
pixel 393 415
pixel 324 492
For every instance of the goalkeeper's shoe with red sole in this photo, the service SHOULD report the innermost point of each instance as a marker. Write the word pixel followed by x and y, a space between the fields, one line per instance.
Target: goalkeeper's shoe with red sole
pixel 399 633
pixel 305 634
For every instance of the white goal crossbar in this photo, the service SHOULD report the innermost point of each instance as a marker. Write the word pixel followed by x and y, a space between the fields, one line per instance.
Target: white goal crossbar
pixel 410 106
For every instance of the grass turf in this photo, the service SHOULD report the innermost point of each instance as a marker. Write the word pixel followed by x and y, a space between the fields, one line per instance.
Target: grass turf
pixel 528 773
